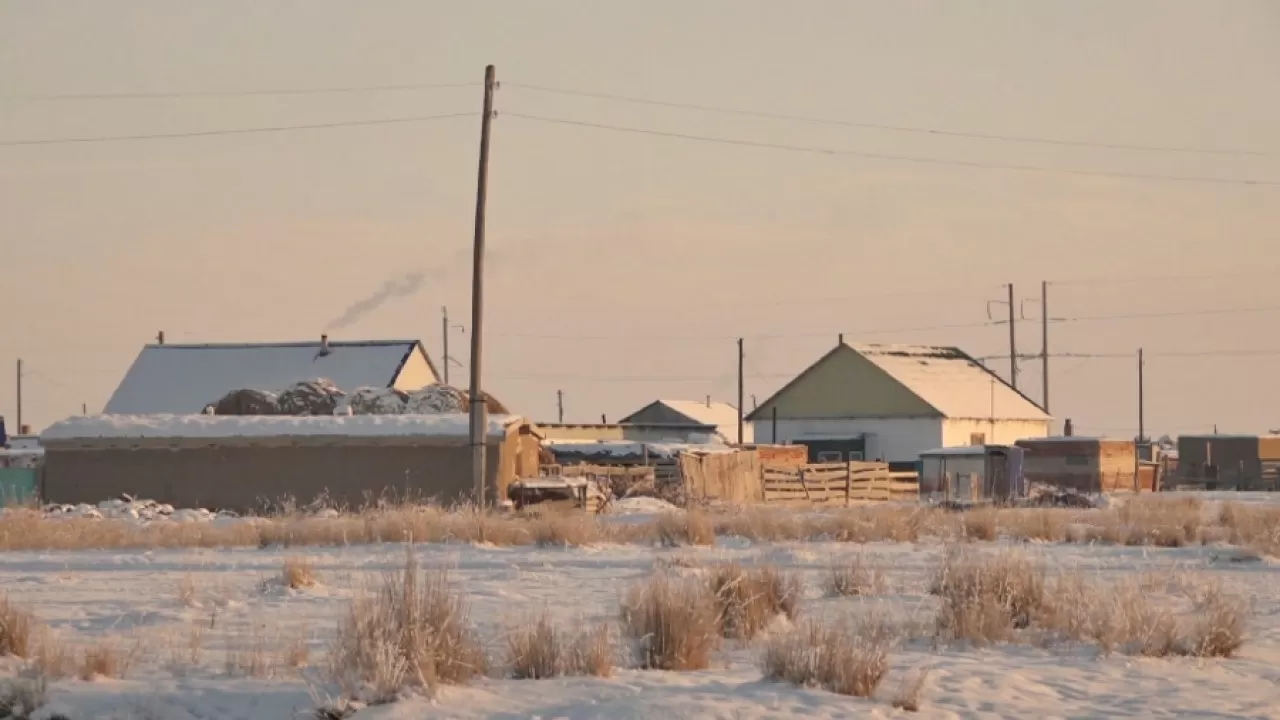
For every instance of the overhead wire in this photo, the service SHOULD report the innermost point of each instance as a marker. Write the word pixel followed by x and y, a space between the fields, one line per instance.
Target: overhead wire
pixel 920 159
pixel 239 93
pixel 880 126
pixel 236 131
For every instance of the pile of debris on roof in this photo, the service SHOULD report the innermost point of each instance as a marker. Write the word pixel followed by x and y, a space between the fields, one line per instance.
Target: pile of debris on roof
pixel 321 396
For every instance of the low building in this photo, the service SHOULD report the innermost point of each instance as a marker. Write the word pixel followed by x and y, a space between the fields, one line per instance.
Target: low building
pixel 973 473
pixel 892 403
pixel 693 414
pixel 183 379
pixel 1245 462
pixel 246 463
pixel 1085 464
pixel 631 432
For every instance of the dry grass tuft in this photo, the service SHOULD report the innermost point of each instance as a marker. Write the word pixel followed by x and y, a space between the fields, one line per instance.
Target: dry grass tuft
pixel 911 691
pixel 107 660
pixel 51 658
pixel 250 657
pixel 297 573
pixel 673 622
pixel 692 527
pixel 854 577
pixel 591 652
pixel 986 596
pixel 566 529
pixel 535 650
pixel 17 627
pixel 187 590
pixel 295 650
pixel 748 600
pixel 413 632
pixel 849 659
pixel 980 524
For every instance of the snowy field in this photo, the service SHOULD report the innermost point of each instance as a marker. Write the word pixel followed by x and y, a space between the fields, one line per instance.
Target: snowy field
pixel 214 634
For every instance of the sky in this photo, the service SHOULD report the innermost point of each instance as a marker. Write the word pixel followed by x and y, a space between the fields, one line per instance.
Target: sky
pixel 623 265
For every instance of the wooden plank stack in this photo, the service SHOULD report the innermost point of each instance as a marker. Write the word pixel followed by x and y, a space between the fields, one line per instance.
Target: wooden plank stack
pixel 838 483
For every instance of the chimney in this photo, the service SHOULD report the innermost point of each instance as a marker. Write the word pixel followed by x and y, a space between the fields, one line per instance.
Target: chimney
pixel 708 401
pixel 841 339
pixel 160 337
pixel 324 346
pixel 1067 429
pixel 603 421
pixel 24 430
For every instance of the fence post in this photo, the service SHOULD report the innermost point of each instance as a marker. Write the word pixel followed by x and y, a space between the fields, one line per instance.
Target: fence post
pixel 848 484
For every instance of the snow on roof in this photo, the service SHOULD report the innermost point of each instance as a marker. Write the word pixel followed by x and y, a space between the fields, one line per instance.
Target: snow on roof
pixel 630 448
pixel 228 426
pixel 951 381
pixel 717 414
pixel 183 379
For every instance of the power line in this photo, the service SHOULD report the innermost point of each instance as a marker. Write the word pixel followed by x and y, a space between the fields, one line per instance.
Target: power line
pixel 759 336
pixel 235 131
pixel 1169 314
pixel 886 156
pixel 240 93
pixel 1265 352
pixel 881 126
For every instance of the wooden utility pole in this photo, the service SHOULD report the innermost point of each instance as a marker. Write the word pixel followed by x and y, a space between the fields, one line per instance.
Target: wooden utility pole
pixel 1013 344
pixel 444 341
pixel 1142 425
pixel 560 406
pixel 741 360
pixel 19 430
pixel 479 416
pixel 1044 340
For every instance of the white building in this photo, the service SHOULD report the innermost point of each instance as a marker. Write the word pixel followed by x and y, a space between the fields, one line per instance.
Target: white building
pixel 692 414
pixel 893 402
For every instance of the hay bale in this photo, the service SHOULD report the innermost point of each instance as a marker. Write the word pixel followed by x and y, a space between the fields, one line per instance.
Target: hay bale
pixel 374 401
pixel 310 397
pixel 247 402
pixel 436 399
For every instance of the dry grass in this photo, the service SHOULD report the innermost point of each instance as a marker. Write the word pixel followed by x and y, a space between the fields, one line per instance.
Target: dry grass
pixel 51 658
pixel 17 628
pixel 411 633
pixel 297 573
pixel 980 524
pixel 187 590
pixel 849 659
pixel 187 648
pixel 986 597
pixel 250 657
pixel 106 659
pixel 693 527
pixel 535 650
pixel 591 652
pixel 854 577
pixel 570 529
pixel 673 622
pixel 749 599
pixel 911 690
pixel 295 650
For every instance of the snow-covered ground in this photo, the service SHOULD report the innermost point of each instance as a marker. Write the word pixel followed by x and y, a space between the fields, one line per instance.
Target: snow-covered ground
pixel 188 609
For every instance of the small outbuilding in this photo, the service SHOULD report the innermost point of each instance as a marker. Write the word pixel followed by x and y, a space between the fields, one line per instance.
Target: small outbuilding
pixel 973 473
pixel 1244 462
pixel 1085 464
pixel 243 463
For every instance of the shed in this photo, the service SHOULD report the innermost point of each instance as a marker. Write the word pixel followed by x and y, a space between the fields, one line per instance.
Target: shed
pixel 973 473
pixel 183 379
pixel 1245 462
pixel 692 413
pixel 633 432
pixel 242 463
pixel 1086 464
pixel 894 402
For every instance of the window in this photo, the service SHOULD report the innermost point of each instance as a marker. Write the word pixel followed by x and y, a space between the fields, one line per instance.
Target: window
pixel 977 438
pixel 1077 460
pixel 830 456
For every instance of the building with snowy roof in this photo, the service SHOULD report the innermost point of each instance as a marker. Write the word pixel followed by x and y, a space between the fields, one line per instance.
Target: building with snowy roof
pixel 183 379
pixel 692 413
pixel 893 402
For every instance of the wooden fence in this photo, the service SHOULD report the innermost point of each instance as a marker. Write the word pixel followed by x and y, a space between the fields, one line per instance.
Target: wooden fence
pixel 838 483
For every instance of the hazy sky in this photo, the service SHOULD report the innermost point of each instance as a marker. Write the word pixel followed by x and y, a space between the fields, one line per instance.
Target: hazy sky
pixel 624 265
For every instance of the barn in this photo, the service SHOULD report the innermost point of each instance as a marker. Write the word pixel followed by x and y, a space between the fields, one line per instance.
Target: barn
pixel 892 403
pixel 183 379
